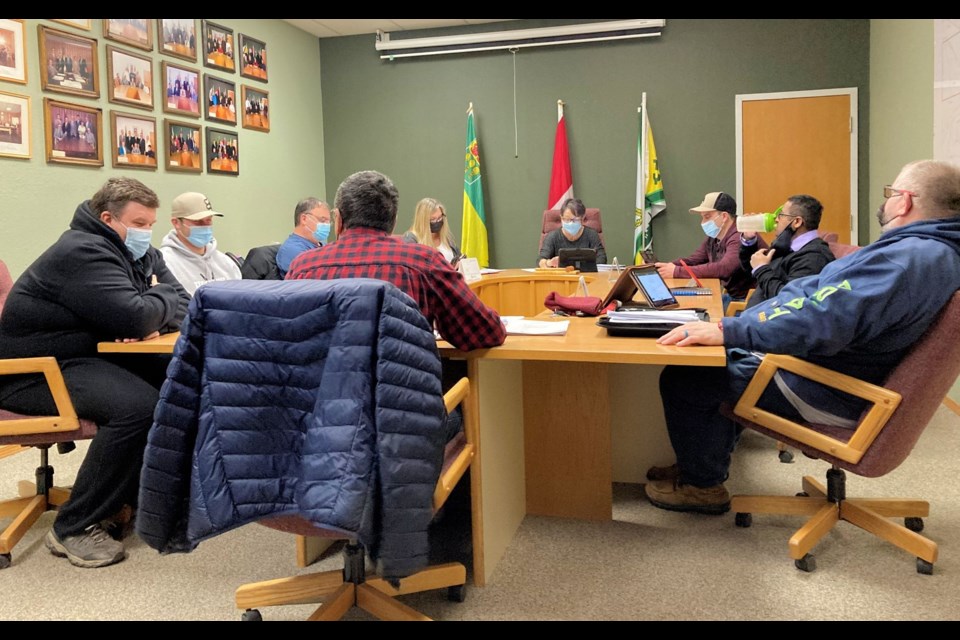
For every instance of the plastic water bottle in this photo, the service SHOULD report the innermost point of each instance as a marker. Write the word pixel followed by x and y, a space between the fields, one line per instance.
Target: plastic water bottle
pixel 760 222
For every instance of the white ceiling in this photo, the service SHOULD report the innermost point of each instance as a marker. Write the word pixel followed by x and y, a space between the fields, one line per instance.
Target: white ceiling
pixel 340 27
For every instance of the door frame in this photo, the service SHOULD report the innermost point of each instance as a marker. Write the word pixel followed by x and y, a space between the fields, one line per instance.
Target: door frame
pixel 854 135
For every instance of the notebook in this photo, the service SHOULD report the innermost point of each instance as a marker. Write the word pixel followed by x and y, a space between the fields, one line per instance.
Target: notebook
pixel 692 291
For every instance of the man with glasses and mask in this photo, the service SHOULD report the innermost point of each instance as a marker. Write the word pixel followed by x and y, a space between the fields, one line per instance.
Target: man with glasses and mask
pixel 311 219
pixel 572 234
pixel 859 316
pixel 797 250
pixel 718 254
pixel 100 281
pixel 190 248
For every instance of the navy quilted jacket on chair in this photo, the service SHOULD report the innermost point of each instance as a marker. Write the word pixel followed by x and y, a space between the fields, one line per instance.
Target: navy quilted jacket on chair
pixel 316 398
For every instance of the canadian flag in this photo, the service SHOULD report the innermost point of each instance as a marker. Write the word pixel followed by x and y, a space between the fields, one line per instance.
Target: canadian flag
pixel 561 178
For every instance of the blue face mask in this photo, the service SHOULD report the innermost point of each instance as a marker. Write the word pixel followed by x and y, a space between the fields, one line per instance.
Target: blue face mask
pixel 572 228
pixel 710 228
pixel 137 241
pixel 200 236
pixel 322 232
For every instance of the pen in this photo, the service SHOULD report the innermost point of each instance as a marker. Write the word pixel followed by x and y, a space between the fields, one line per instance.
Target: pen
pixel 690 273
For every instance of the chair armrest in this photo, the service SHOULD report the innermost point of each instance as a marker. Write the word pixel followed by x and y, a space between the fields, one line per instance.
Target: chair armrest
pixel 738 306
pixel 66 418
pixel 458 395
pixel 885 402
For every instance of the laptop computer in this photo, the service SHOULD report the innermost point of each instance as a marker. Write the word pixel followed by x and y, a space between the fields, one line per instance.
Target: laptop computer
pixel 579 259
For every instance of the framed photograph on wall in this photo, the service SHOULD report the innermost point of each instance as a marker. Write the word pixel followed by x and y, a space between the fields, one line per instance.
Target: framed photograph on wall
pixel 131 78
pixel 223 152
pixel 253 58
pixel 80 23
pixel 134 141
pixel 68 63
pixel 137 32
pixel 13 51
pixel 218 51
pixel 220 99
pixel 72 133
pixel 182 90
pixel 178 37
pixel 184 147
pixel 14 125
pixel 256 108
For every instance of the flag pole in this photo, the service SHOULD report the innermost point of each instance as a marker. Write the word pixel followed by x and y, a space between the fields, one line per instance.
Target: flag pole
pixel 644 157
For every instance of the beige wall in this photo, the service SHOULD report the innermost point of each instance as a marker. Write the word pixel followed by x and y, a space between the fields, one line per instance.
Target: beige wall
pixel 277 168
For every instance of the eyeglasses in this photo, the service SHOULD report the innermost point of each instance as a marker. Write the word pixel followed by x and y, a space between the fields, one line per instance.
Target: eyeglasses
pixel 568 220
pixel 889 192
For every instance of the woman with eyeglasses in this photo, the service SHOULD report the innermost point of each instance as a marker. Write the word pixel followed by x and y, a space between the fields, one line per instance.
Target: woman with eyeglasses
pixel 430 228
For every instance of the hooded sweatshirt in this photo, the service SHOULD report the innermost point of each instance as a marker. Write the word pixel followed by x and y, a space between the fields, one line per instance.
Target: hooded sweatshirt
pixel 87 288
pixel 193 270
pixel 861 314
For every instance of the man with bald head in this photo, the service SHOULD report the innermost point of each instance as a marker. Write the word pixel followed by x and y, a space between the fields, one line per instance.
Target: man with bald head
pixel 859 316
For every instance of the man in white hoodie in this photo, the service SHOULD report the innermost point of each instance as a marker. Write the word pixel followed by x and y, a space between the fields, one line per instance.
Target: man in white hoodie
pixel 190 249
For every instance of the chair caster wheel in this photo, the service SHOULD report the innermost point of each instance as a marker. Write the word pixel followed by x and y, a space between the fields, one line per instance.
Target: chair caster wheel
pixel 803 494
pixel 785 456
pixel 807 563
pixel 924 567
pixel 5 560
pixel 914 524
pixel 457 593
pixel 743 520
pixel 251 615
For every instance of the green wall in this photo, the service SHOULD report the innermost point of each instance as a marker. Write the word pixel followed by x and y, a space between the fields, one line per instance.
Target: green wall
pixel 277 168
pixel 407 118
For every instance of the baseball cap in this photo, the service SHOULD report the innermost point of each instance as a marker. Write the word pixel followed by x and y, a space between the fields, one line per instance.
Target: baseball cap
pixel 717 201
pixel 192 206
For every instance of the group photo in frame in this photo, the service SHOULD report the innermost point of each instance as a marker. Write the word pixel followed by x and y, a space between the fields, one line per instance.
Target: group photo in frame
pixel 80 23
pixel 253 58
pixel 135 32
pixel 218 51
pixel 221 99
pixel 256 108
pixel 72 133
pixel 223 151
pixel 134 140
pixel 182 90
pixel 178 37
pixel 14 125
pixel 13 51
pixel 131 78
pixel 69 63
pixel 184 147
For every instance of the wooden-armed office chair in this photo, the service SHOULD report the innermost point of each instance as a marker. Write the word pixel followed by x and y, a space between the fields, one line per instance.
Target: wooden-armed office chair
pixel 551 221
pixel 883 439
pixel 42 432
pixel 340 590
pixel 523 295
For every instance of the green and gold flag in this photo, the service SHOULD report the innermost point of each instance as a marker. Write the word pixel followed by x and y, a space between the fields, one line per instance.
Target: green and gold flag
pixel 474 234
pixel 650 198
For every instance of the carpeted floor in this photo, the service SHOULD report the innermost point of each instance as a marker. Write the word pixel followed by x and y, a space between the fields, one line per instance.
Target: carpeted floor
pixel 646 564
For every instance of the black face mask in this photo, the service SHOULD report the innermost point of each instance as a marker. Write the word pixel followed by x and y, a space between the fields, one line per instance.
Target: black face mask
pixel 436 226
pixel 781 243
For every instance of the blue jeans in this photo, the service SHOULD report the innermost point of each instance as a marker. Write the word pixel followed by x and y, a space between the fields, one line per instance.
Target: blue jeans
pixel 702 438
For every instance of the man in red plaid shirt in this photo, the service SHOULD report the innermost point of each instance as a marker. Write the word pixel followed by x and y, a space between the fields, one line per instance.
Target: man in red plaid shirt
pixel 366 206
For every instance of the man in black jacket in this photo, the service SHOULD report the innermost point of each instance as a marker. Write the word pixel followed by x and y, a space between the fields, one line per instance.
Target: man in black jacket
pixel 100 281
pixel 797 250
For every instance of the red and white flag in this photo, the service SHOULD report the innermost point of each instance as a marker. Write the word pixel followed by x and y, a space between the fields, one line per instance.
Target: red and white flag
pixel 561 178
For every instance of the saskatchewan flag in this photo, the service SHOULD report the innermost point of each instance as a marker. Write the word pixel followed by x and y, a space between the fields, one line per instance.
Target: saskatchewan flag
pixel 474 234
pixel 650 199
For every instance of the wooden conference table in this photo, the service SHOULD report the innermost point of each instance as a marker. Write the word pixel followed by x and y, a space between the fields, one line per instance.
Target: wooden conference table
pixel 561 417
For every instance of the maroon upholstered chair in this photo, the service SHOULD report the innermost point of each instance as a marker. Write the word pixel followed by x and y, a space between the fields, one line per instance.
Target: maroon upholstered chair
pixel 339 590
pixel 883 439
pixel 41 432
pixel 551 221
pixel 840 250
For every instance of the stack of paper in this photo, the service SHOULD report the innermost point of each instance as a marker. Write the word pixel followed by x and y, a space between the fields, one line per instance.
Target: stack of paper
pixel 520 326
pixel 653 316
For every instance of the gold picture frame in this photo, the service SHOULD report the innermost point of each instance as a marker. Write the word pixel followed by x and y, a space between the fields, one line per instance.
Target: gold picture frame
pixel 180 90
pixel 252 58
pixel 15 125
pixel 256 108
pixel 130 78
pixel 184 145
pixel 134 141
pixel 136 32
pixel 80 23
pixel 218 47
pixel 73 133
pixel 219 99
pixel 69 63
pixel 13 51
pixel 177 37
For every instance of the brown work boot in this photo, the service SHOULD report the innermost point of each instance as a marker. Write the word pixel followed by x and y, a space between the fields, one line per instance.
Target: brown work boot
pixel 670 494
pixel 664 473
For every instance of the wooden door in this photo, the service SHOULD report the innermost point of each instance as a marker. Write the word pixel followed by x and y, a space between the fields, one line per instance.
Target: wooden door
pixel 800 142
